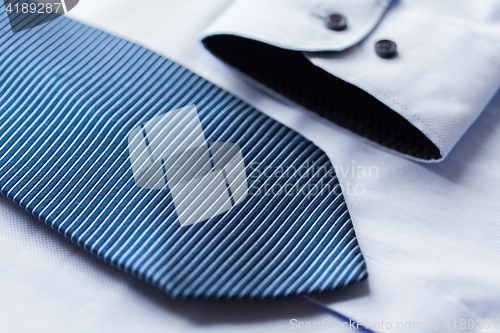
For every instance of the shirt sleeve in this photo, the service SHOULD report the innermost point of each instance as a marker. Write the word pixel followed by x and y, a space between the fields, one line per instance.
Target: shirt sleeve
pixel 418 103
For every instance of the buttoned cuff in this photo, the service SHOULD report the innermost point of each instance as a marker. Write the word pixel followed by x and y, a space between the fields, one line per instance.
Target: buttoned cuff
pixel 418 103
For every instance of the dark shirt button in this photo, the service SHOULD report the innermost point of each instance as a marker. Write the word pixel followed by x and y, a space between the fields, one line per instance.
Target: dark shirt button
pixel 336 22
pixel 386 49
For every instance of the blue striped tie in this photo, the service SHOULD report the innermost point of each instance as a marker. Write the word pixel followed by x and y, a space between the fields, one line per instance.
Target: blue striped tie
pixel 71 97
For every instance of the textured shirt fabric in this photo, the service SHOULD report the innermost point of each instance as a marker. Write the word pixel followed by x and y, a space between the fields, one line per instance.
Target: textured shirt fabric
pixel 444 75
pixel 428 232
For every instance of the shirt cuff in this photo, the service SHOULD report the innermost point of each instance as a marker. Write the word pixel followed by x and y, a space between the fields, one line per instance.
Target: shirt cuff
pixel 418 104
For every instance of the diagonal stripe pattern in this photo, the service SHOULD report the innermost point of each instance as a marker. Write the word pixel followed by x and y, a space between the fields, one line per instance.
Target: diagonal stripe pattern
pixel 70 95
